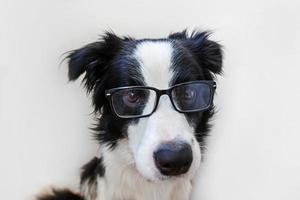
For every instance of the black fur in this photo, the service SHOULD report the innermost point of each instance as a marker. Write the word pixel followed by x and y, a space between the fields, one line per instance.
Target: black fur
pixel 91 170
pixel 202 59
pixel 61 195
pixel 207 53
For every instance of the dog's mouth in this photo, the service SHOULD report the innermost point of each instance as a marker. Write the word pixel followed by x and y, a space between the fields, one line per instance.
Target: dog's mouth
pixel 161 177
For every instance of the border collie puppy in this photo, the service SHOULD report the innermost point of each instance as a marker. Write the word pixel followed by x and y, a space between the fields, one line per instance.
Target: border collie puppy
pixel 153 99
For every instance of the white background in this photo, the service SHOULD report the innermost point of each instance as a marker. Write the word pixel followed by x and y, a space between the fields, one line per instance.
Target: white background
pixel 254 148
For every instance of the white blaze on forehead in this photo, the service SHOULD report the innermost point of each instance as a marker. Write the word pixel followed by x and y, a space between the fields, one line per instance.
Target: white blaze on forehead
pixel 155 58
pixel 165 124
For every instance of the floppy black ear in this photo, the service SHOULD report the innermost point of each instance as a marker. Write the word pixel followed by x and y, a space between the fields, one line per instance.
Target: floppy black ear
pixel 206 52
pixel 93 60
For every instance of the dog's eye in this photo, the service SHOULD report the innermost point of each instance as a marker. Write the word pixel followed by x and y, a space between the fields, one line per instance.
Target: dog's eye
pixel 131 98
pixel 189 94
pixel 186 94
pixel 131 102
pixel 192 96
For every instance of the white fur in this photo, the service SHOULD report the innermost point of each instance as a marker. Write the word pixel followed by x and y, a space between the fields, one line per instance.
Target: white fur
pixel 123 181
pixel 130 170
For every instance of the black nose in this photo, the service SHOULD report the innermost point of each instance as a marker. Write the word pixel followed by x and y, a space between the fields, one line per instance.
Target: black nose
pixel 173 158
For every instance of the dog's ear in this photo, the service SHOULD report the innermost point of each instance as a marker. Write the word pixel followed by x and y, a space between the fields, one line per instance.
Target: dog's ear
pixel 206 52
pixel 93 60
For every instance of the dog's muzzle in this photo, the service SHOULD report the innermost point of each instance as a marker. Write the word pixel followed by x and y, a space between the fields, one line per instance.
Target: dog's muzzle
pixel 173 158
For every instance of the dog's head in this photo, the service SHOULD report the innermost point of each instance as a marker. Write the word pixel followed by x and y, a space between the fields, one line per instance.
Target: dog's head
pixel 155 93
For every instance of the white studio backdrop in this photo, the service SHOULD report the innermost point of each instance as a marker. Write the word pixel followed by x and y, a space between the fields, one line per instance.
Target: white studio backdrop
pixel 254 147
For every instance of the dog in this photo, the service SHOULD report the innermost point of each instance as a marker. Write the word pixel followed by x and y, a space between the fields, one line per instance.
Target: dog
pixel 153 100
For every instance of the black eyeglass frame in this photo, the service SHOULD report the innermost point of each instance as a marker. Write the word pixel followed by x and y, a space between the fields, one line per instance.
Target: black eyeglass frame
pixel 212 85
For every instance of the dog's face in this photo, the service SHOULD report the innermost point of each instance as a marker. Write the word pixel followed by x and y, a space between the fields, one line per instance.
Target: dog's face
pixel 167 143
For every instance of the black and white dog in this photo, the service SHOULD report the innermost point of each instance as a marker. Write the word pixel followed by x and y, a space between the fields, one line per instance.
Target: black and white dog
pixel 153 99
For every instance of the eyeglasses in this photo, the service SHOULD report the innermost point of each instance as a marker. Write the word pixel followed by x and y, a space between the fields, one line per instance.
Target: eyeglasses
pixel 141 101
